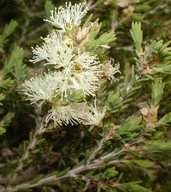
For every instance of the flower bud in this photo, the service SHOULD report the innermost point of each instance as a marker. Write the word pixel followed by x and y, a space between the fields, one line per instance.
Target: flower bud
pixel 68 40
pixel 82 34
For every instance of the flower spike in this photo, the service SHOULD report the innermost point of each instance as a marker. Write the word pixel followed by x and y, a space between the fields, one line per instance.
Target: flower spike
pixel 69 16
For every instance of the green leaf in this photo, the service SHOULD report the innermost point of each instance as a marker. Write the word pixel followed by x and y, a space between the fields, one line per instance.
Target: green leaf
pixel 164 120
pixel 159 55
pixel 113 101
pixel 15 59
pixel 131 124
pixel 6 120
pixel 8 30
pixel 109 173
pixel 164 69
pixel 2 130
pixel 95 29
pixel 132 187
pixel 105 38
pixel 158 146
pixel 48 7
pixel 157 92
pixel 142 162
pixel 6 83
pixel 142 7
pixel 2 96
pixel 137 36
pixel 20 70
pixel 35 180
pixel 75 96
pixel 60 174
pixel 87 21
pixel 137 17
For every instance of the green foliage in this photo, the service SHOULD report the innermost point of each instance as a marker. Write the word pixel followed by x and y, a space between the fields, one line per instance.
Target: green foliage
pixel 157 92
pixel 8 30
pixel 129 150
pixel 164 120
pixel 76 96
pixel 133 187
pixel 130 126
pixel 95 42
pixel 14 63
pixel 109 173
pixel 113 102
pixel 48 7
pixel 2 130
pixel 159 146
pixel 137 36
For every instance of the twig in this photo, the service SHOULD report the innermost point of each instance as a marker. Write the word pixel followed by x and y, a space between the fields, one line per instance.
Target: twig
pixel 39 130
pixel 101 144
pixel 70 174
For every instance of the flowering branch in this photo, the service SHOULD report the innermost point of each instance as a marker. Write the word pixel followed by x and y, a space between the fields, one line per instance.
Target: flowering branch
pixel 76 72
pixel 101 144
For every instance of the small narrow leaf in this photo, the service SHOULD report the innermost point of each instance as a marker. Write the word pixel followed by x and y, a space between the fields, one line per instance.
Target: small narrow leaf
pixel 8 30
pixel 137 36
pixel 157 92
pixel 164 120
pixel 109 173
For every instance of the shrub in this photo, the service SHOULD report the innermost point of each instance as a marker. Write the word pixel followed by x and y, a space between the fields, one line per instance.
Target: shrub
pixel 89 108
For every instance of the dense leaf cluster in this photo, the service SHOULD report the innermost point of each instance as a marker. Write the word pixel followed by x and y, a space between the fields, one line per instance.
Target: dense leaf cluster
pixel 130 149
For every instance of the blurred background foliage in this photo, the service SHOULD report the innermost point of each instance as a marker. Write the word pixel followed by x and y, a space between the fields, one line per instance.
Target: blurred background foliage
pixel 21 26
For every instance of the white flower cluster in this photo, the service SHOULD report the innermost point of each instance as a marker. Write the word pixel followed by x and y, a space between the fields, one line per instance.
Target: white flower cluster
pixel 77 113
pixel 69 16
pixel 72 70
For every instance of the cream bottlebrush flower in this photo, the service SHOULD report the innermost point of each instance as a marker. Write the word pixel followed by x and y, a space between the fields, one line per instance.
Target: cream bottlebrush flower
pixel 95 115
pixel 73 80
pixel 41 88
pixel 81 74
pixel 83 77
pixel 67 17
pixel 87 61
pixel 54 51
pixel 86 77
pixel 67 80
pixel 72 114
pixel 86 81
